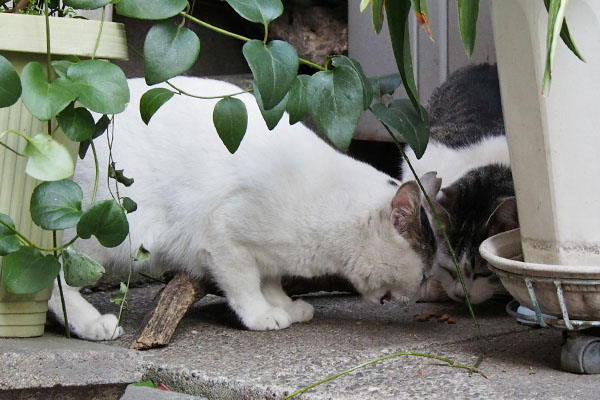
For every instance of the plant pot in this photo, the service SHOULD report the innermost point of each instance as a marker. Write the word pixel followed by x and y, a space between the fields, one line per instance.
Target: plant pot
pixel 553 139
pixel 25 41
pixel 577 286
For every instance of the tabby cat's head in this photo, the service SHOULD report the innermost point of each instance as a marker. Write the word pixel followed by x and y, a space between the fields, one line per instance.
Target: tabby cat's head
pixel 477 206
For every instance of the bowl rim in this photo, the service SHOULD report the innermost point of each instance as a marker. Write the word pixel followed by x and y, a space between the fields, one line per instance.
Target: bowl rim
pixel 501 249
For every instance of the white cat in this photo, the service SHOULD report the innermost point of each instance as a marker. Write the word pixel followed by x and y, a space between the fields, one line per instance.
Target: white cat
pixel 285 203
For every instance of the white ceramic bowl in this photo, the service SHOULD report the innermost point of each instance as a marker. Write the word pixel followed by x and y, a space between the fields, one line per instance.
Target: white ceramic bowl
pixel 580 285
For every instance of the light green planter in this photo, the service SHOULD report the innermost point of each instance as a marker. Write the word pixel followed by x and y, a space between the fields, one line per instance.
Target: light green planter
pixel 24 40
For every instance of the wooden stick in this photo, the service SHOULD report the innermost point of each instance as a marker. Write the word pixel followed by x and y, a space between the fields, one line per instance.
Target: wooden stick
pixel 170 305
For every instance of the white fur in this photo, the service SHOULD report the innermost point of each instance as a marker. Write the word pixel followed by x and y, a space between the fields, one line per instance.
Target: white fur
pixel 284 204
pixel 452 164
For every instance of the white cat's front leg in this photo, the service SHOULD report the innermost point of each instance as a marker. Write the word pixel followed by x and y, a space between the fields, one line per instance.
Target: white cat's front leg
pixel 240 279
pixel 299 310
pixel 85 321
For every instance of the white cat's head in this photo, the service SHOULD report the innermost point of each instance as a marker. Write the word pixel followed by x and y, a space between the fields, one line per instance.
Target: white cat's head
pixel 398 246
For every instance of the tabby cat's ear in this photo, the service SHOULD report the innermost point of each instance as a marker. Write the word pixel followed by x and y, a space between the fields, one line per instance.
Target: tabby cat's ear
pixel 504 217
pixel 408 198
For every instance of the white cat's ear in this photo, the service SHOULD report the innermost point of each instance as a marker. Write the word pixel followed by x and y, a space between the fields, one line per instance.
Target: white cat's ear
pixel 504 217
pixel 407 198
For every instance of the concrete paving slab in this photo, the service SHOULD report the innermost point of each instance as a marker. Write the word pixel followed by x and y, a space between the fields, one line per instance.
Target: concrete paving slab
pixel 211 355
pixel 147 393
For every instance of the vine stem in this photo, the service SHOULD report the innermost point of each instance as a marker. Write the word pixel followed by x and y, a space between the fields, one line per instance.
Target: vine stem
pixel 449 363
pixel 242 38
pixel 31 244
pixel 48 55
pixel 180 91
pixel 99 33
pixel 60 290
pixel 448 245
pixel 97 177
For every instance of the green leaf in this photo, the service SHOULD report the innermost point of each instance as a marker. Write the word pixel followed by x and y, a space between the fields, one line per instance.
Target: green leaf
pixel 107 221
pixel 76 123
pixel 273 115
pixel 152 100
pixel 259 11
pixel 56 205
pixel 100 127
pixel 397 13
pixel 231 120
pixel 142 254
pixel 9 241
pixel 48 159
pixel 118 175
pixel 86 4
pixel 61 67
pixel 566 36
pixel 146 383
pixel 274 67
pixel 150 9
pixel 556 16
pixel 377 14
pixel 169 50
pixel 422 15
pixel 119 296
pixel 129 205
pixel 10 84
pixel 468 12
pixel 385 84
pixel 100 86
pixel 403 120
pixel 79 268
pixel 44 100
pixel 297 105
pixel 364 4
pixel 357 68
pixel 336 104
pixel 27 271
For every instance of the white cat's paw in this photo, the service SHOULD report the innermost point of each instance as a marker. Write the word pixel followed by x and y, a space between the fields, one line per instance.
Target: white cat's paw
pixel 300 311
pixel 104 327
pixel 273 319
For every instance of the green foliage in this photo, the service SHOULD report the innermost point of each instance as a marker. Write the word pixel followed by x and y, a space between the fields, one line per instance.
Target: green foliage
pixel 80 269
pixel 152 100
pixel 150 9
pixel 56 205
pixel 169 50
pixel 9 241
pixel 28 271
pixel 142 254
pixel 274 67
pixel 273 115
pixel 129 205
pixel 468 12
pixel 298 102
pixel 377 14
pixel 10 85
pixel 44 100
pixel 48 160
pixel 385 84
pixel 355 66
pixel 404 121
pixel 336 103
pixel 105 220
pixel 231 120
pixel 119 297
pixel 259 11
pixel 86 4
pixel 77 123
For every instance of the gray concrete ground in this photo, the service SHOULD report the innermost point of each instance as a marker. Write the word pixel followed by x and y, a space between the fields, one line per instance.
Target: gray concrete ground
pixel 210 355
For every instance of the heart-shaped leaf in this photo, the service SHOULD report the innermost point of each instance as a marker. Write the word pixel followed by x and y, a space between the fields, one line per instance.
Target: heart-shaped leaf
pixel 231 120
pixel 259 11
pixel 150 9
pixel 79 268
pixel 56 205
pixel 44 100
pixel 86 4
pixel 272 116
pixel 129 205
pixel 142 254
pixel 402 119
pixel 297 105
pixel 100 86
pixel 48 159
pixel 10 84
pixel 274 67
pixel 77 123
pixel 61 67
pixel 100 127
pixel 107 221
pixel 152 100
pixel 385 84
pixel 27 271
pixel 9 241
pixel 169 50
pixel 336 104
pixel 357 68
